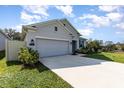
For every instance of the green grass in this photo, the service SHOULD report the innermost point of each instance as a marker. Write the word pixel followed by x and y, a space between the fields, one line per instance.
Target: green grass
pixel 13 76
pixel 116 57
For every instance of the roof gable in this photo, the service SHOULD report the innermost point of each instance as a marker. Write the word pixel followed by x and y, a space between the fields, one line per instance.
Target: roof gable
pixel 41 23
pixel 70 25
pixel 59 21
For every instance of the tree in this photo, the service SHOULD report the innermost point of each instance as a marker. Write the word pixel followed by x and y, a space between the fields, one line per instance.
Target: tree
pixel 13 34
pixel 17 36
pixel 10 32
pixel 22 36
pixel 110 46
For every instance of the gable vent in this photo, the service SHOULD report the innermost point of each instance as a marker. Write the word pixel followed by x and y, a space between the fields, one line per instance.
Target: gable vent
pixel 33 26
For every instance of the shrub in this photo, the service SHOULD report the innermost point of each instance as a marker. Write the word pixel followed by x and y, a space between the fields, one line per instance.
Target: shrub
pixel 28 56
pixel 94 46
pixel 83 50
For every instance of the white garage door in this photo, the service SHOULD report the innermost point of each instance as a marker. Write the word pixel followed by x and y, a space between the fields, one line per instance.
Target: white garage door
pixel 49 47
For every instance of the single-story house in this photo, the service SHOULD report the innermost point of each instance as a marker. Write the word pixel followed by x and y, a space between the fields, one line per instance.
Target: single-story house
pixel 3 37
pixel 52 38
pixel 82 42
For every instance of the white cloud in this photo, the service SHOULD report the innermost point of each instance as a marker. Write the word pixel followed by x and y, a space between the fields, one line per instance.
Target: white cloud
pixel 18 27
pixel 108 19
pixel 37 9
pixel 34 13
pixel 81 17
pixel 120 32
pixel 98 21
pixel 86 31
pixel 108 8
pixel 27 18
pixel 120 26
pixel 67 10
pixel 114 16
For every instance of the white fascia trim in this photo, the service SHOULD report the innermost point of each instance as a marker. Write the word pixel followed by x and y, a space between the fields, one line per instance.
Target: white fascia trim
pixel 39 37
pixel 43 23
pixel 72 26
pixel 31 28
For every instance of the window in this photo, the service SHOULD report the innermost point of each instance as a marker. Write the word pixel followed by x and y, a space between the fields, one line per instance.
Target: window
pixel 32 42
pixel 56 29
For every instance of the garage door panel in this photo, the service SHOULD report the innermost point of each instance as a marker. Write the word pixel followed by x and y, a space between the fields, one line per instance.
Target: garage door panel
pixel 52 47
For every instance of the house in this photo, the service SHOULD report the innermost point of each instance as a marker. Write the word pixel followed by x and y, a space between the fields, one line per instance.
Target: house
pixel 82 42
pixel 108 43
pixel 52 38
pixel 3 37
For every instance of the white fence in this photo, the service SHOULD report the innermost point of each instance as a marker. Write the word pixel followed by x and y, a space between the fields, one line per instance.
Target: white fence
pixel 12 49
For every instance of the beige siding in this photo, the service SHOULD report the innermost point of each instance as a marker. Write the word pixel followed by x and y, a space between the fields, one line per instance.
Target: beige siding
pixel 76 36
pixel 48 31
pixel 12 49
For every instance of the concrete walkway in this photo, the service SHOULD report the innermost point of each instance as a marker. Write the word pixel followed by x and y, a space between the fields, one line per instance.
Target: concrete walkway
pixel 86 72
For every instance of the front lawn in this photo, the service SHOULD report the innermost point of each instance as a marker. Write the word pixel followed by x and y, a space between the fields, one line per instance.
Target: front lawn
pixel 13 76
pixel 117 56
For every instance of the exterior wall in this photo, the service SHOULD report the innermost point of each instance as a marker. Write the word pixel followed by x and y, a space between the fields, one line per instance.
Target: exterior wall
pixel 2 42
pixel 73 31
pixel 47 31
pixel 12 49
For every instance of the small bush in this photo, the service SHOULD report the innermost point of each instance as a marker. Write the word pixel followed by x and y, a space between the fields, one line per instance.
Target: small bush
pixel 83 50
pixel 28 56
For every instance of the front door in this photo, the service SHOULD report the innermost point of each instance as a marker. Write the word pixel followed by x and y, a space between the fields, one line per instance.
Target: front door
pixel 74 46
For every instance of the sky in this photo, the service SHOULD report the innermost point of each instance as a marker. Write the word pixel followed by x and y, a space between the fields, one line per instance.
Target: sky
pixel 97 22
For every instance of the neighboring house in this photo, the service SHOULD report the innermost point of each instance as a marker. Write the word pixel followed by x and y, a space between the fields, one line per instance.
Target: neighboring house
pixel 108 43
pixel 3 37
pixel 52 38
pixel 82 42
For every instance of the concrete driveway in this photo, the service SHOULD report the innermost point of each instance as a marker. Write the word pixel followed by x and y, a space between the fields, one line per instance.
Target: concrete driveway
pixel 86 72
